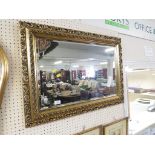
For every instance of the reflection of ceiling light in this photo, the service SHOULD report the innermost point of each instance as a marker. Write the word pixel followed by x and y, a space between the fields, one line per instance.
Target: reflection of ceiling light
pixel 75 66
pixel 57 62
pixel 153 74
pixel 91 71
pixel 91 59
pixel 103 63
pixel 41 66
pixel 109 49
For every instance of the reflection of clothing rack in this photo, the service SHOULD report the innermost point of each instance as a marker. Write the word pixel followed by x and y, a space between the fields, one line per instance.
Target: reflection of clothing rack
pixel 74 75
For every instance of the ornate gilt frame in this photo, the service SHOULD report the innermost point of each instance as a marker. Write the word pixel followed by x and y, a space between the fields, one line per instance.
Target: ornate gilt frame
pixel 29 32
pixel 5 71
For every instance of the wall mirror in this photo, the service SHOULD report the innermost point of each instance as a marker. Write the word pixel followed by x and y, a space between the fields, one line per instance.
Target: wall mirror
pixel 68 72
pixel 3 73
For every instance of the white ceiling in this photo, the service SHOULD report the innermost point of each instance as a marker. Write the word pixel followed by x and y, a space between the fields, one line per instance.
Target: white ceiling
pixel 77 53
pixel 70 50
pixel 81 46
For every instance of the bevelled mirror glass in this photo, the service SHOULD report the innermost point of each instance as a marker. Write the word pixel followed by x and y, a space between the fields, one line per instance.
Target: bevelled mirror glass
pixel 68 72
pixel 3 73
pixel 72 72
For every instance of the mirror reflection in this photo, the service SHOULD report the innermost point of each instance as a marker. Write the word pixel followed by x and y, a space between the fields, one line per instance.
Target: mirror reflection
pixel 71 72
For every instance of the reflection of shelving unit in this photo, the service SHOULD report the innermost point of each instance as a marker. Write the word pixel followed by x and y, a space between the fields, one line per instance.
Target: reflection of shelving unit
pixel 101 73
pixel 74 74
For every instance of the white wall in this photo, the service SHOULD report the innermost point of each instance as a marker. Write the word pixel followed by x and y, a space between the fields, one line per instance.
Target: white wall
pixel 12 120
pixel 142 79
pixel 134 49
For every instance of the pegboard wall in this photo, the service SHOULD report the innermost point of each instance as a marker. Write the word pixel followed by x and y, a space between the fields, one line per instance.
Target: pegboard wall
pixel 12 119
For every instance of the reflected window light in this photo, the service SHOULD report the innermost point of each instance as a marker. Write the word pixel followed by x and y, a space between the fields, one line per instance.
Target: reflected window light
pixel 113 64
pixel 91 71
pixel 83 77
pixel 41 66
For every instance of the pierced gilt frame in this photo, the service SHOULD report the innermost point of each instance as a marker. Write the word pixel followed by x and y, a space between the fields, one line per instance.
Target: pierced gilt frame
pixel 5 71
pixel 29 32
